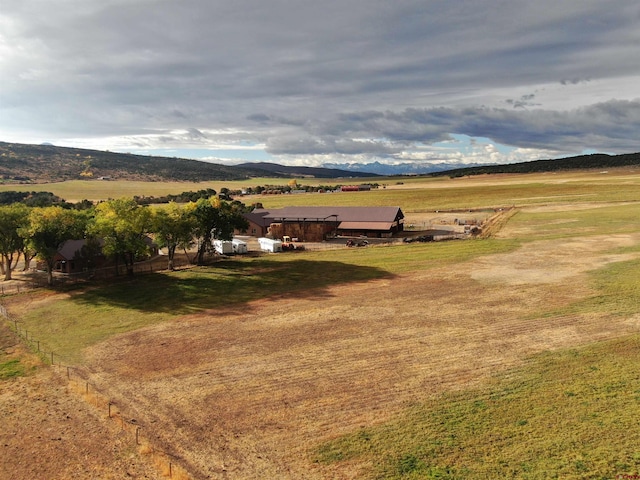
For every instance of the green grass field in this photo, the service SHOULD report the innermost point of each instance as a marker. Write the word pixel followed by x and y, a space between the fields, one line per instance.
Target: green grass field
pixel 569 414
pixel 417 194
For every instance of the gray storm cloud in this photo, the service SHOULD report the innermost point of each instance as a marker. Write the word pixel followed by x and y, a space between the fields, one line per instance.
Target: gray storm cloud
pixel 351 78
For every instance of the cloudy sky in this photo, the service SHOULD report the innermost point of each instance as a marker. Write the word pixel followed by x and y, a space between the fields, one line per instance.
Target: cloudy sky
pixel 324 82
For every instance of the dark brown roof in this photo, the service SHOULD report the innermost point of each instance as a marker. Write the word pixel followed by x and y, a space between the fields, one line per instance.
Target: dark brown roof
pixel 258 217
pixel 331 214
pixel 69 248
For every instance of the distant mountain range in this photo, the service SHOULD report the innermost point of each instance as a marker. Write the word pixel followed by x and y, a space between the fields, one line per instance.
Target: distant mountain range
pixel 21 163
pixel 385 169
pixel 312 172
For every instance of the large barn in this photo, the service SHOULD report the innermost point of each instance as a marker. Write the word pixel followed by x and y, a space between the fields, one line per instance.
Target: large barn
pixel 315 224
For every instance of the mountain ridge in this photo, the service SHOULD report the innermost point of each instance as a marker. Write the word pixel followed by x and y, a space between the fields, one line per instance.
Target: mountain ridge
pixel 46 163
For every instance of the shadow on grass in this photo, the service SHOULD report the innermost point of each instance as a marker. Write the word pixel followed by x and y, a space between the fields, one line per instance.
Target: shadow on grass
pixel 229 284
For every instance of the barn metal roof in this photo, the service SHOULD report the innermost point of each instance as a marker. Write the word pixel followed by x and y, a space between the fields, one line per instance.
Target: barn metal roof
pixel 337 214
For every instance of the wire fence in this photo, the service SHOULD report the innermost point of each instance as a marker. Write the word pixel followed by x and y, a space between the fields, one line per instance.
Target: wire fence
pixel 169 463
pixel 38 279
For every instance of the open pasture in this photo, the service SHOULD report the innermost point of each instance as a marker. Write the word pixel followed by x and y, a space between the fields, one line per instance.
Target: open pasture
pixel 412 194
pixel 514 356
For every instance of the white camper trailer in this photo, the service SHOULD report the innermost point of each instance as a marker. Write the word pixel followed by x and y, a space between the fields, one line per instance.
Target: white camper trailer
pixel 223 247
pixel 270 245
pixel 239 246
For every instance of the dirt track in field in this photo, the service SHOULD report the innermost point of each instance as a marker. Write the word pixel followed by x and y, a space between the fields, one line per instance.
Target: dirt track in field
pixel 246 393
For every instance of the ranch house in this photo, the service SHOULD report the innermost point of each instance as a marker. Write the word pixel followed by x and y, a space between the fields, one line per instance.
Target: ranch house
pixel 75 256
pixel 315 224
pixel 78 255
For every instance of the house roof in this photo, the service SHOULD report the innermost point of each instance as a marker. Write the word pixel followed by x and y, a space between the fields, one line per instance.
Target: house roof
pixel 258 217
pixel 69 248
pixel 331 214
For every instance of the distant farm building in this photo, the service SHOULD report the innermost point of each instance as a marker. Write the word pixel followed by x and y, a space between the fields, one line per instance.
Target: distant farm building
pixel 355 188
pixel 315 224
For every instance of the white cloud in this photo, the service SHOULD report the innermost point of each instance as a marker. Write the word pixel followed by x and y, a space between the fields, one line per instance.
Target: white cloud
pixel 354 80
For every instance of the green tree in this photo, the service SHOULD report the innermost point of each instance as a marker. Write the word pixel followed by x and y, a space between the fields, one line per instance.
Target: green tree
pixel 215 219
pixel 13 218
pixel 173 226
pixel 48 228
pixel 123 225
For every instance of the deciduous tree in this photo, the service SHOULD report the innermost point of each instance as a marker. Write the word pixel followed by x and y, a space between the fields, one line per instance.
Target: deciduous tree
pixel 173 226
pixel 13 218
pixel 123 225
pixel 215 219
pixel 48 228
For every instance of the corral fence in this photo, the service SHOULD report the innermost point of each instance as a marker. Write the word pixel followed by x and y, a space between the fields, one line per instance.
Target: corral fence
pixel 80 381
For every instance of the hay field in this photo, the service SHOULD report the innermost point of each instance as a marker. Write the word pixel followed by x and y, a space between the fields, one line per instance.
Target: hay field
pixel 280 385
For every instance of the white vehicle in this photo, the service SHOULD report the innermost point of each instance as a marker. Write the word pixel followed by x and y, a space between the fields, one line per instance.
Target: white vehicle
pixel 223 247
pixel 239 246
pixel 270 245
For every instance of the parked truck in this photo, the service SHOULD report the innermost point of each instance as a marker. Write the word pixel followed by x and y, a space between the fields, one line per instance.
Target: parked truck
pixel 288 243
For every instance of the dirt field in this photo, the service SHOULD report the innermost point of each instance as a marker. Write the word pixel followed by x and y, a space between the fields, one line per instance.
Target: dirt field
pixel 50 432
pixel 243 394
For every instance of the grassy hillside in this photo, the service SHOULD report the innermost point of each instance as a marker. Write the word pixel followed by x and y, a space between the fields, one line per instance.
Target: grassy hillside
pixel 20 163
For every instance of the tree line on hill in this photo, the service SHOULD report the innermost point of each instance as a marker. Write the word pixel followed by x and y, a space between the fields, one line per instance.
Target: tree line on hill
pixel 119 229
pixel 47 199
pixel 597 160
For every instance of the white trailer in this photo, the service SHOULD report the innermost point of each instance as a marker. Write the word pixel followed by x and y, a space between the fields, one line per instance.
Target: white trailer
pixel 270 245
pixel 223 247
pixel 239 246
